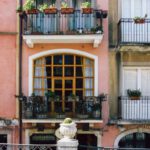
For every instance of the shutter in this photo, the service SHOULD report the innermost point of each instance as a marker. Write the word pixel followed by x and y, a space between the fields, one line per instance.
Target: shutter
pixel 148 8
pixel 129 80
pixel 138 8
pixel 145 82
pixel 126 8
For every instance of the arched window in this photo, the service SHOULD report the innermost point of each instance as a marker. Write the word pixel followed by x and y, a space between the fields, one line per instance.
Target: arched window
pixel 64 74
pixel 135 140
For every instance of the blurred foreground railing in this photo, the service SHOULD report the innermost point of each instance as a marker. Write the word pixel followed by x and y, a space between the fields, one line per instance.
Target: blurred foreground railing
pixel 54 147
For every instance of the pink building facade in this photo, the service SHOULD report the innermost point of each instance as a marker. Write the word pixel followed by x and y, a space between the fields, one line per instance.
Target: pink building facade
pixel 65 70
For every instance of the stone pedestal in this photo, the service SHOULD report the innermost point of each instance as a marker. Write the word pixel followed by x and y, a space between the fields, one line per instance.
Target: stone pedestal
pixel 67 144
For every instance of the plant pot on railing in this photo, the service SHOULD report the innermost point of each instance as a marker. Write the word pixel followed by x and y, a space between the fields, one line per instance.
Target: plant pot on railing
pixel 87 10
pixel 135 97
pixel 50 11
pixel 134 94
pixel 139 21
pixel 67 10
pixel 32 11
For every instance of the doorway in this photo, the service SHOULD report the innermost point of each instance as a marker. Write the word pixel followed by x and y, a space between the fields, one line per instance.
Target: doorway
pixel 3 139
pixel 44 139
pixel 86 140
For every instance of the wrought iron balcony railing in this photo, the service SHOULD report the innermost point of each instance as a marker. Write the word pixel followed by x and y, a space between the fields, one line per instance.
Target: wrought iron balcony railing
pixel 38 107
pixel 131 32
pixel 63 24
pixel 134 110
pixel 4 146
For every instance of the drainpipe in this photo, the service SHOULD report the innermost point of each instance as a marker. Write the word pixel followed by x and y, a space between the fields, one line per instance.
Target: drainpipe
pixel 20 97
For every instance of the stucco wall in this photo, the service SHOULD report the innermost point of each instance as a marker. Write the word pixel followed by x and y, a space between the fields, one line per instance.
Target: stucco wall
pixel 7 58
pixel 113 20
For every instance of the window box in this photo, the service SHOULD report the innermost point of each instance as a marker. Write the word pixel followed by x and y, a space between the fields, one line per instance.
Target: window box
pixel 50 11
pixel 139 21
pixel 32 11
pixel 67 10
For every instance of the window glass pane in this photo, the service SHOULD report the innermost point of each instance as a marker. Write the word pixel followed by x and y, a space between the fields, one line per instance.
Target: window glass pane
pixel 69 60
pixel 79 60
pixel 48 60
pixel 88 83
pixel 58 93
pixel 38 71
pixel 68 93
pixel 88 72
pixel 57 71
pixel 79 71
pixel 69 71
pixel 58 83
pixel 58 60
pixel 68 84
pixel 80 94
pixel 47 72
pixel 48 83
pixel 79 83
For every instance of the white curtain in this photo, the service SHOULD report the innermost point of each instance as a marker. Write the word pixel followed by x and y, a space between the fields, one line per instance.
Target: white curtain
pixel 88 81
pixel 38 73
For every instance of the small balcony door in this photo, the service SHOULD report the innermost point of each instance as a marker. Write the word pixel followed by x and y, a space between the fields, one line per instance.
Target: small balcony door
pixel 132 32
pixel 136 78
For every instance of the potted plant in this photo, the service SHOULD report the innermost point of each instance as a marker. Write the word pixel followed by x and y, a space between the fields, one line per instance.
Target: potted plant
pixel 19 10
pixel 86 8
pixel 73 97
pixel 96 110
pixel 65 9
pixel 82 110
pixel 48 9
pixel 30 7
pixel 51 96
pixel 134 94
pixel 28 107
pixel 68 128
pixel 140 20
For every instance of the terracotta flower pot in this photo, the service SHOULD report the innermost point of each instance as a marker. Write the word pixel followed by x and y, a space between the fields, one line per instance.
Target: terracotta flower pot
pixel 87 10
pixel 135 98
pixel 139 21
pixel 32 11
pixel 67 10
pixel 50 11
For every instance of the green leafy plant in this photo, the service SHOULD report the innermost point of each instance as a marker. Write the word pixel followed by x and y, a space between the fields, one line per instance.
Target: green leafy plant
pixel 67 121
pixel 29 5
pixel 138 19
pixel 18 9
pixel 64 5
pixel 86 5
pixel 134 93
pixel 52 96
pixel 96 107
pixel 42 7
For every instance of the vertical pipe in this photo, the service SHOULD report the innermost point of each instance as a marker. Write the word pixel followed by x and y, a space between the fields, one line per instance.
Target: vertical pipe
pixel 20 75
